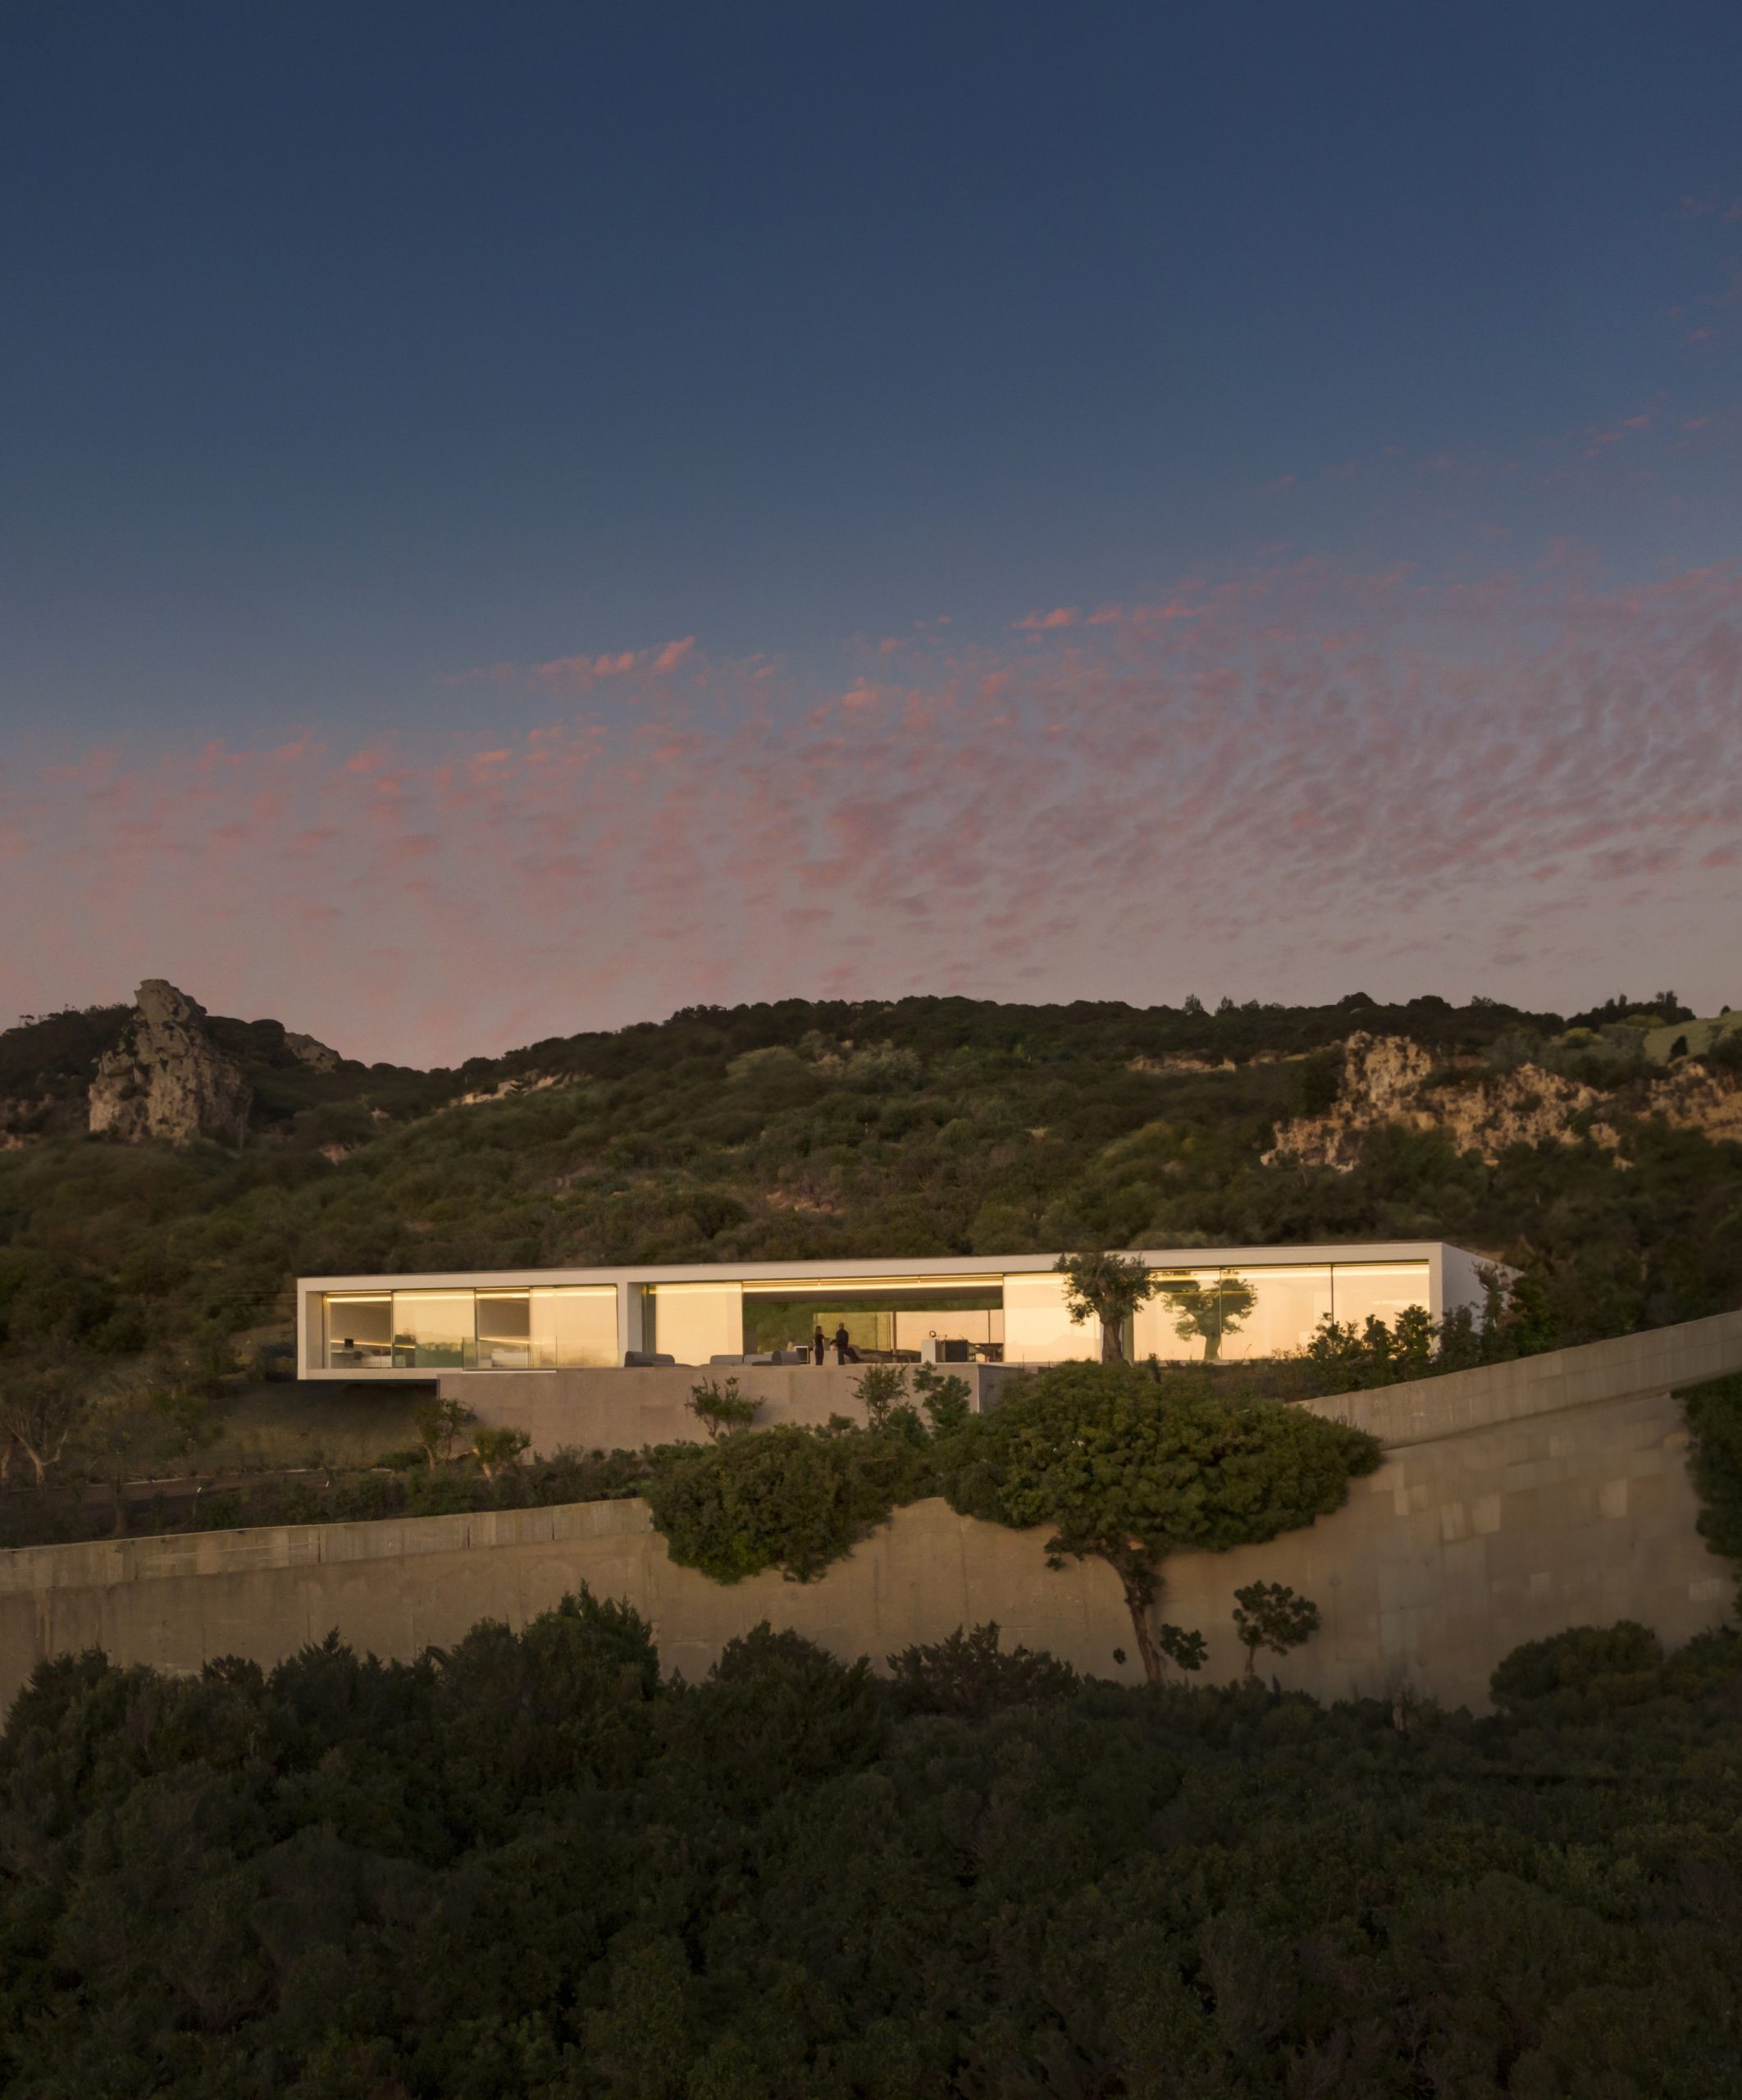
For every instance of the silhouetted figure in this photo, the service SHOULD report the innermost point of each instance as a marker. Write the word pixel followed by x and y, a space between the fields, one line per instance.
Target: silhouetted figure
pixel 845 1352
pixel 819 1343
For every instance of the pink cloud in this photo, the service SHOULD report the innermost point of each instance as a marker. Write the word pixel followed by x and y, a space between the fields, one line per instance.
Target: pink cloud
pixel 1281 781
pixel 580 673
pixel 1042 623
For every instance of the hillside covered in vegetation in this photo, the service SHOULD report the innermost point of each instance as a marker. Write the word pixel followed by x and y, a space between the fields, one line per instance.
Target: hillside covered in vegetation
pixel 927 1127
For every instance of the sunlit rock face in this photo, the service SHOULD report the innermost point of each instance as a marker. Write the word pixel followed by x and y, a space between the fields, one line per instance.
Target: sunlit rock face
pixel 166 1078
pixel 1389 1079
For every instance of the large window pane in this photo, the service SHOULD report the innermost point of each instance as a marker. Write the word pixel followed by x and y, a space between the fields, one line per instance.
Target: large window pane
pixel 695 1321
pixel 573 1326
pixel 1198 1316
pixel 981 1326
pixel 881 1318
pixel 504 1330
pixel 1229 1316
pixel 434 1331
pixel 1382 1290
pixel 1037 1327
pixel 1287 1305
pixel 359 1331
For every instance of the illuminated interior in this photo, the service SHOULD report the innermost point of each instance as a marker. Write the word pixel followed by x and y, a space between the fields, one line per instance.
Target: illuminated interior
pixel 560 1327
pixel 1202 1314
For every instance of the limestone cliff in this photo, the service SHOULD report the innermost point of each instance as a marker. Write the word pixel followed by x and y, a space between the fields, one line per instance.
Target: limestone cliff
pixel 1385 1081
pixel 167 1079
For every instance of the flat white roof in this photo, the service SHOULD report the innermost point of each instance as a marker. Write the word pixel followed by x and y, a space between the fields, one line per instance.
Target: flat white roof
pixel 848 1266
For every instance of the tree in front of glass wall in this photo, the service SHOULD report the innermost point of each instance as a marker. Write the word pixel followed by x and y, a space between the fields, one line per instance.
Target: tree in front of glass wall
pixel 1516 1321
pixel 1209 1311
pixel 1108 1288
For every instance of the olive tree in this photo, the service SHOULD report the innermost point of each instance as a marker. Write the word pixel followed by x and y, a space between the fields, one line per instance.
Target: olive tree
pixel 439 1427
pixel 1108 1288
pixel 496 1450
pixel 1128 1471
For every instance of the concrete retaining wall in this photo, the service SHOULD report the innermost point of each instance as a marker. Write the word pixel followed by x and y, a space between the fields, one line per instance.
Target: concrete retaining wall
pixel 1513 1502
pixel 622 1410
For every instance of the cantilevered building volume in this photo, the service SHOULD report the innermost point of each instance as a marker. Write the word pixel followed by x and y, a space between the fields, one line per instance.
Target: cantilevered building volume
pixel 1225 1303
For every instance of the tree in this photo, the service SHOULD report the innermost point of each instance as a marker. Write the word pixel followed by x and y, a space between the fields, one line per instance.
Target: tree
pixel 1271 1615
pixel 1128 1471
pixel 1189 1650
pixel 879 1390
pixel 944 1397
pixel 109 1443
pixel 493 1449
pixel 1209 1312
pixel 721 1408
pixel 1108 1288
pixel 41 1405
pixel 1413 1338
pixel 439 1426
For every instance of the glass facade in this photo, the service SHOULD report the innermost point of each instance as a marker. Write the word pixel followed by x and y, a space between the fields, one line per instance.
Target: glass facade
pixel 1037 1327
pixel 883 1317
pixel 1230 1316
pixel 693 1321
pixel 1384 1289
pixel 1199 1314
pixel 358 1329
pixel 536 1329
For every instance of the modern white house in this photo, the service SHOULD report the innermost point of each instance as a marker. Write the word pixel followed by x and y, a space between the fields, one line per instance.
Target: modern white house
pixel 1226 1304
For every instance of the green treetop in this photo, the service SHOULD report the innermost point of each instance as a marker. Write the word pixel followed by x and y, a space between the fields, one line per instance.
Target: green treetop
pixel 1128 1471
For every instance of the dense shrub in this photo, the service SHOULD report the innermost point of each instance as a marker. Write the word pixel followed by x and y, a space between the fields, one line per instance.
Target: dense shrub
pixel 1604 1660
pixel 534 1865
pixel 788 1497
pixel 1714 1419
pixel 972 1672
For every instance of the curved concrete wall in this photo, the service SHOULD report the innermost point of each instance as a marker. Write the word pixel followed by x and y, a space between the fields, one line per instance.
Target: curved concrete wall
pixel 1513 1501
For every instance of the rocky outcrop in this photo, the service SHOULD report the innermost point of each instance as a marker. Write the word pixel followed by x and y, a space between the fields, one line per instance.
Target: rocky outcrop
pixel 307 1051
pixel 1385 1079
pixel 167 1079
pixel 23 1120
pixel 1694 1098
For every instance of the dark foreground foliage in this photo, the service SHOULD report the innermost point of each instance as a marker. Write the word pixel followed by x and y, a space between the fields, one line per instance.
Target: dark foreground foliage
pixel 1714 1419
pixel 534 1866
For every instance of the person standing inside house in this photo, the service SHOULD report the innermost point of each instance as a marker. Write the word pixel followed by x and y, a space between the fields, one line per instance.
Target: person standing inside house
pixel 819 1343
pixel 845 1352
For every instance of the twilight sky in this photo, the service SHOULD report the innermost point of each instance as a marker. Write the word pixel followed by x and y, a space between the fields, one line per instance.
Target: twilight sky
pixel 514 519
